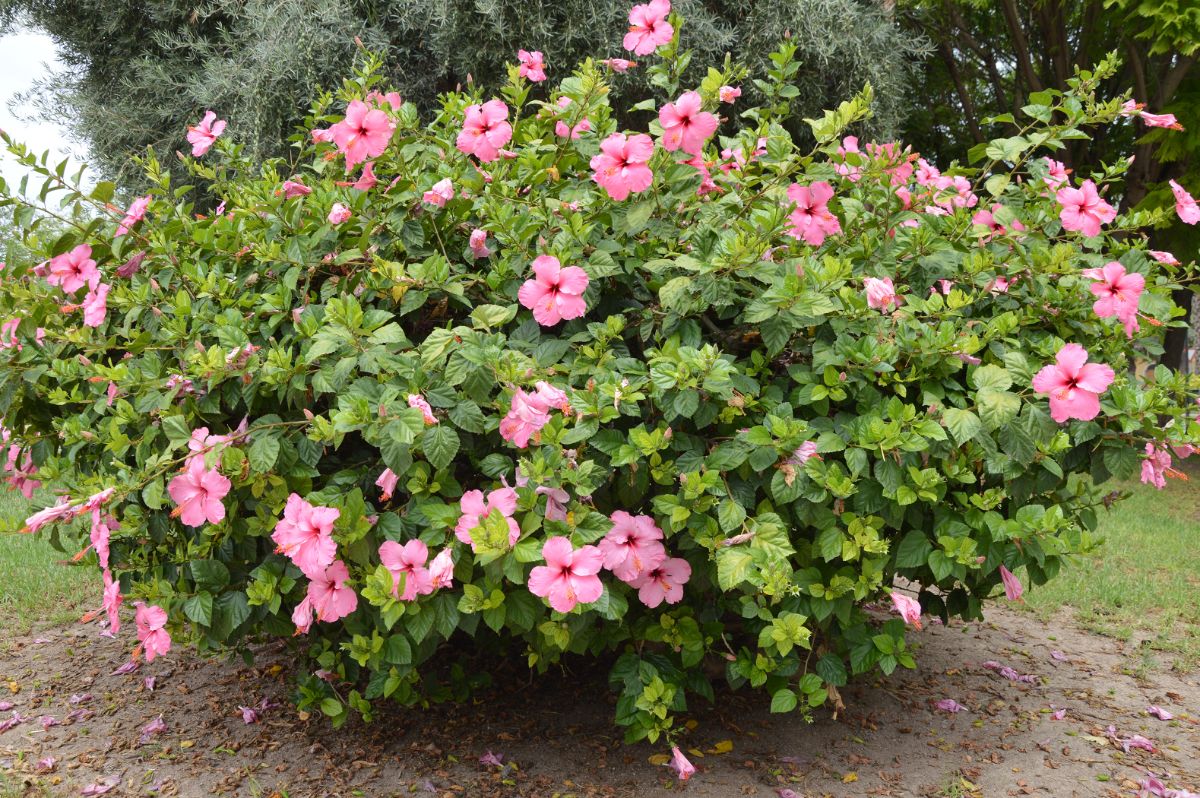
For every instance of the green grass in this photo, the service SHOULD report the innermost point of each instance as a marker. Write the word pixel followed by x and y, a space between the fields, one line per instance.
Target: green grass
pixel 33 587
pixel 1144 580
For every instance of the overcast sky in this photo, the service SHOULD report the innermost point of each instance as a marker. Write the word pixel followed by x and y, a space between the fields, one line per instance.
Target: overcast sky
pixel 24 57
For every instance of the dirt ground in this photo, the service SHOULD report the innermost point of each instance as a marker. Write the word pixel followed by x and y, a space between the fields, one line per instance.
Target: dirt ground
pixel 558 740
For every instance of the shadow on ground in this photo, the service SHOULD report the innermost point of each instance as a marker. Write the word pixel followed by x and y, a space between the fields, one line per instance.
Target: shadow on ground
pixel 559 740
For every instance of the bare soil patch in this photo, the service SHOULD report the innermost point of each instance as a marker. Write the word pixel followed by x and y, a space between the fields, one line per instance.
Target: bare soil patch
pixel 557 737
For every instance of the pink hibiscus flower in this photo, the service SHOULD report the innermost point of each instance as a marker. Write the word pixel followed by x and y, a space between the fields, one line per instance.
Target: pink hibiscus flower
pixel 525 418
pixel 135 214
pixel 881 294
pixel 154 639
pixel 364 133
pixel 552 397
pixel 475 508
pixel 1117 293
pixel 729 93
pixel 1012 586
pixel 387 484
pixel 685 126
pixel 908 608
pixel 1161 120
pixel 99 536
pixel 294 188
pixel 663 582
pixel 633 546
pixel 619 65
pixel 478 243
pixel 73 270
pixel 569 576
pixel 1185 205
pixel 563 131
pixel 48 515
pixel 987 218
pixel 1155 466
pixel 926 173
pixel 204 135
pixel 533 65
pixel 1056 173
pixel 555 293
pixel 441 570
pixel 328 597
pixel 1163 257
pixel 95 305
pixel 112 604
pixel 367 180
pixel 338 213
pixel 1074 385
pixel 198 492
pixel 648 27
pixel 407 561
pixel 1083 210
pixel 420 403
pixel 305 534
pixel 681 765
pixel 485 130
pixel 621 167
pixel 441 193
pixel 811 220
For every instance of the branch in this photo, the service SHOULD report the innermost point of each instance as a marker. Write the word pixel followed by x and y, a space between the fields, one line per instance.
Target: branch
pixel 1141 92
pixel 972 44
pixel 1170 83
pixel 964 96
pixel 1021 45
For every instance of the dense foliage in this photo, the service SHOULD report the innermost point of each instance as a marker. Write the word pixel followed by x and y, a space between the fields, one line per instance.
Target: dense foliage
pixel 993 55
pixel 135 68
pixel 522 378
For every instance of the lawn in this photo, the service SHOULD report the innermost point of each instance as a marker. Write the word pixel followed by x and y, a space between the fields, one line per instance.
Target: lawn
pixel 1143 583
pixel 33 586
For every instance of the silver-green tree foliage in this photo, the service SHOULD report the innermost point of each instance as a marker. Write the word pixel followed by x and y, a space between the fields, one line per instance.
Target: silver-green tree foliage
pixel 138 72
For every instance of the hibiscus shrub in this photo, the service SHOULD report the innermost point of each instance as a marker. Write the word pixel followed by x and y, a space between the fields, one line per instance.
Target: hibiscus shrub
pixel 520 381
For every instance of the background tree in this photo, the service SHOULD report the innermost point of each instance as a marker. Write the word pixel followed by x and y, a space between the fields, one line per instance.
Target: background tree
pixel 991 56
pixel 139 71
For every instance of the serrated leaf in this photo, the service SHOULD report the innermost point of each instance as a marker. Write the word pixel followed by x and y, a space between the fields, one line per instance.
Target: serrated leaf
pixel 263 453
pixel 783 700
pixel 963 424
pixel 733 566
pixel 730 515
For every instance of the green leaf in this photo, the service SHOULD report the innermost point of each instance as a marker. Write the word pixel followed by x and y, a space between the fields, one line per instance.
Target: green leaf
pixel 177 431
pixel 467 416
pixel 963 424
pixel 730 515
pixel 991 377
pixel 152 494
pixel 487 317
pixel 997 408
pixel 783 700
pixel 263 453
pixel 734 564
pixel 397 650
pixel 211 575
pixel 913 550
pixel 831 668
pixel 440 444
pixel 198 608
pixel 686 403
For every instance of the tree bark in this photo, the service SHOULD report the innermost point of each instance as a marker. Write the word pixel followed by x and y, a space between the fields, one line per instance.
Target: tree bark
pixel 1021 45
pixel 964 96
